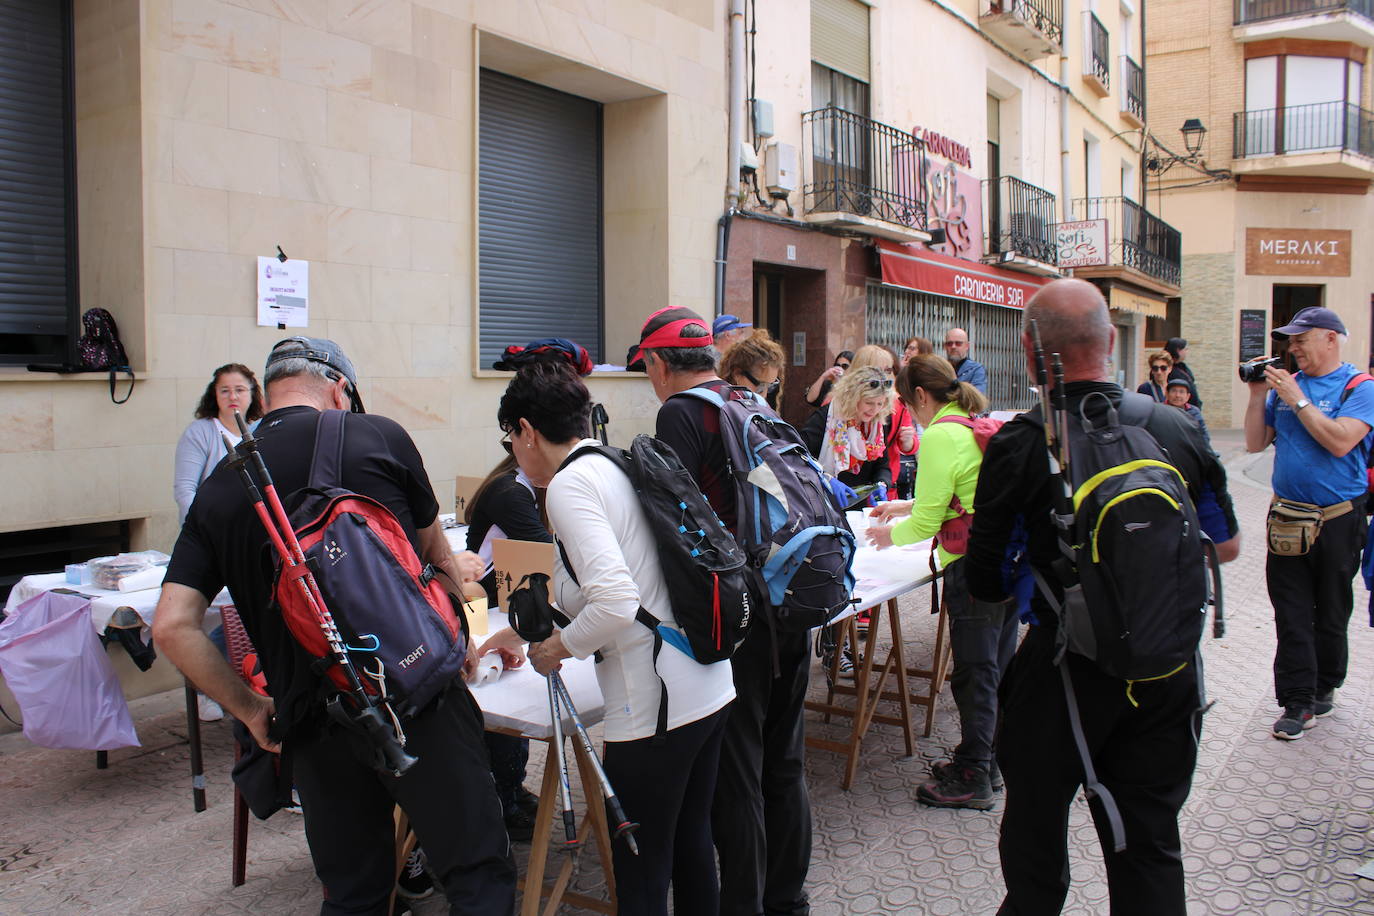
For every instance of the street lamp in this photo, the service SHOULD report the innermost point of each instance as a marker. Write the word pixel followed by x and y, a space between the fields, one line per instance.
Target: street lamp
pixel 1164 158
pixel 1193 132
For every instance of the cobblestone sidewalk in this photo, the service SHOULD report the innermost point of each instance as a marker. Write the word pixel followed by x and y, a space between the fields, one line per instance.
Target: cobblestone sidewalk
pixel 1271 827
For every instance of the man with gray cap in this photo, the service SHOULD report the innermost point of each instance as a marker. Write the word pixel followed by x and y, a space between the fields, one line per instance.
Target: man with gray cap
pixel 1319 421
pixel 448 795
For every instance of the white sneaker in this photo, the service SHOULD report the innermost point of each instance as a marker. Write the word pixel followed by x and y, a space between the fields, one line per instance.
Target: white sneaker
pixel 208 709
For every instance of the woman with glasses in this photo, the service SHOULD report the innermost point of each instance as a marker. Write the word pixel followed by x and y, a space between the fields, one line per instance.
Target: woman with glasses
pixel 848 436
pixel 901 432
pixel 232 387
pixel 1160 365
pixel 983 637
pixel 819 392
pixel 605 572
pixel 756 363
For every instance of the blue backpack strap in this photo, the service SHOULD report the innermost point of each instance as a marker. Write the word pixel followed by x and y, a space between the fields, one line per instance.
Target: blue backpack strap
pixel 709 395
pixel 326 466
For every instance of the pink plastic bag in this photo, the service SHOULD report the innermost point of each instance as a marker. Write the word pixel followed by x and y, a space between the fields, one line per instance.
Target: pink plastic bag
pixel 57 669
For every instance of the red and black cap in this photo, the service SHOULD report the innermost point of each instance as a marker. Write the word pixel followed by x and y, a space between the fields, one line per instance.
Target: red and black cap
pixel 664 329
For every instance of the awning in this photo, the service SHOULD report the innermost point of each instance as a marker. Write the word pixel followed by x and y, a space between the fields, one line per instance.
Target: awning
pixel 1130 300
pixel 927 271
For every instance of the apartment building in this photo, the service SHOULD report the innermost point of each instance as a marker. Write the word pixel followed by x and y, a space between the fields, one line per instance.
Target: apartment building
pixel 914 164
pixel 1276 206
pixel 459 176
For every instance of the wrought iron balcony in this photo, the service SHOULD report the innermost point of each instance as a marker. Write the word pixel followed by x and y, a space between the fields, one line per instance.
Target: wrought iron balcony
pixel 1325 127
pixel 1248 11
pixel 863 171
pixel 1133 94
pixel 1138 239
pixel 1095 50
pixel 1020 219
pixel 1030 28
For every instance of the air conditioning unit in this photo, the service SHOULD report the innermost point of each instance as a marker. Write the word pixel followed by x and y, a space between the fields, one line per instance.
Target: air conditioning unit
pixel 782 168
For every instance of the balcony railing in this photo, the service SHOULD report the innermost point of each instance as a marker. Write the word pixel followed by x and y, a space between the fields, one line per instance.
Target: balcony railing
pixel 1139 239
pixel 1248 11
pixel 1327 126
pixel 1045 17
pixel 1096 50
pixel 863 167
pixel 1133 82
pixel 1020 219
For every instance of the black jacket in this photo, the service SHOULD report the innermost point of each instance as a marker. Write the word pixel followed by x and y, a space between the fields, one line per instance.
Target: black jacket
pixel 1015 481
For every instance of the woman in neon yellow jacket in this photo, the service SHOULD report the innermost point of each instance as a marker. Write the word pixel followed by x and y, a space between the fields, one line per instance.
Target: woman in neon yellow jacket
pixel 982 636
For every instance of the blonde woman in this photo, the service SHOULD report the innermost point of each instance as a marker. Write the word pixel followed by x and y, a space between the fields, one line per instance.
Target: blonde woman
pixel 848 436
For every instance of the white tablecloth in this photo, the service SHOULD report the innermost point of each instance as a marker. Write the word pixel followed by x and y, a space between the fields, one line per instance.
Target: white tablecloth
pixel 885 574
pixel 104 603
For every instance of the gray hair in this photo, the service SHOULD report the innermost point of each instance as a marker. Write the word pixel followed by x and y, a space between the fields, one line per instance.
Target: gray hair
pixel 288 368
pixel 1068 326
pixel 688 359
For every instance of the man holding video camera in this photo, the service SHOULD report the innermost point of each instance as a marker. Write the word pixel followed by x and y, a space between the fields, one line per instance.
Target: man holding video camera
pixel 1318 421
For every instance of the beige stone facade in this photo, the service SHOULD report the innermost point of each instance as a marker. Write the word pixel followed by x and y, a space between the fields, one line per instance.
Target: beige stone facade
pixel 209 132
pixel 1197 69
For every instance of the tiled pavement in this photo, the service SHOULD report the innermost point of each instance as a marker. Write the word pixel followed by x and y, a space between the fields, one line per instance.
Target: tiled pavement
pixel 1271 827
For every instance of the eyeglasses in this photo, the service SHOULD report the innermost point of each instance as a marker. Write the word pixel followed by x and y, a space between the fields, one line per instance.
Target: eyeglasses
pixel 760 387
pixel 233 392
pixel 884 383
pixel 506 443
pixel 955 343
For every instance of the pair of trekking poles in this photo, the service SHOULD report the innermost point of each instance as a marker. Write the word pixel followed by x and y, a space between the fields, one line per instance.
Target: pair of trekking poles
pixel 532 618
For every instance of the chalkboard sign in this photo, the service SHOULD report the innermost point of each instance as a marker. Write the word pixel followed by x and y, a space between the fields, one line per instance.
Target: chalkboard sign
pixel 1253 341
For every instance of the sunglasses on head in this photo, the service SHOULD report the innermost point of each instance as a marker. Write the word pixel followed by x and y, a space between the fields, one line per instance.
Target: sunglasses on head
pixel 760 387
pixel 878 383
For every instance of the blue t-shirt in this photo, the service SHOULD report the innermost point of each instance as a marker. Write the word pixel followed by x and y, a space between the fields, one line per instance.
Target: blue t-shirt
pixel 1303 469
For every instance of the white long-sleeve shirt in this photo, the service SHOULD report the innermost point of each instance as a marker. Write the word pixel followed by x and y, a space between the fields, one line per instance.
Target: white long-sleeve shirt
pixel 597 517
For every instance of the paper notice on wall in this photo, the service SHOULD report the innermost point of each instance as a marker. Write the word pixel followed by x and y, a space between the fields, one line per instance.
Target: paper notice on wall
pixel 283 293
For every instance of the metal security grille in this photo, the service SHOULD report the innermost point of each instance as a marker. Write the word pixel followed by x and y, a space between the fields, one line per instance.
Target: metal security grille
pixel 539 212
pixel 895 314
pixel 37 230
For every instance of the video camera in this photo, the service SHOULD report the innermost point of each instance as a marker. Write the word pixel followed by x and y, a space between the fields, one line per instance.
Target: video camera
pixel 1253 370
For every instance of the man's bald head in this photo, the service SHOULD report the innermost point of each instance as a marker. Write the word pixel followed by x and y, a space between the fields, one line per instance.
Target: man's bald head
pixel 1072 318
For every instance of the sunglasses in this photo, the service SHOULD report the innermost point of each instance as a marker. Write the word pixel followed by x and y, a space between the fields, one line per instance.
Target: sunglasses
pixel 760 387
pixel 506 443
pixel 878 383
pixel 843 365
pixel 1159 368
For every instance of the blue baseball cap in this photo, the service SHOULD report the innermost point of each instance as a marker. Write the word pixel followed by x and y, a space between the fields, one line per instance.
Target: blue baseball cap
pixel 726 323
pixel 1311 318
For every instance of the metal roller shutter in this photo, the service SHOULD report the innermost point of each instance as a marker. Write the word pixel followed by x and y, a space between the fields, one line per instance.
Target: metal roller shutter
pixel 37 242
pixel 839 36
pixel 539 211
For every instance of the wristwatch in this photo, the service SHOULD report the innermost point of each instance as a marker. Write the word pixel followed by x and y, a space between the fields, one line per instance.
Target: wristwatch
pixel 1300 403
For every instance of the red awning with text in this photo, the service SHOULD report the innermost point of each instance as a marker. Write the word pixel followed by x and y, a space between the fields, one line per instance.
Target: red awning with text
pixel 925 270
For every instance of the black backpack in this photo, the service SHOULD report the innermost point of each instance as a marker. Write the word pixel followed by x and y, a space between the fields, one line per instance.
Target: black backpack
pixel 100 349
pixel 1133 518
pixel 788 521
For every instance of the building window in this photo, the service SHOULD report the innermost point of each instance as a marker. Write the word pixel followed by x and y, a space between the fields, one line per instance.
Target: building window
pixel 1295 103
pixel 840 143
pixel 839 42
pixel 540 217
pixel 38 267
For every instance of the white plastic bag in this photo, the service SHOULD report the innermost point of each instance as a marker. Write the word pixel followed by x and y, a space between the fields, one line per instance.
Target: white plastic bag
pixel 57 669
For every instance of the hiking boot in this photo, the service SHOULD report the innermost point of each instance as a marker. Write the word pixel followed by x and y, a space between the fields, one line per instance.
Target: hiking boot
pixel 520 825
pixel 526 801
pixel 956 786
pixel 415 882
pixel 1295 720
pixel 1325 704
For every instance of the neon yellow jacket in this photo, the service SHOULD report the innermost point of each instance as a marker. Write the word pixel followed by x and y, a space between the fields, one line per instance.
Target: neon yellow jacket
pixel 947 466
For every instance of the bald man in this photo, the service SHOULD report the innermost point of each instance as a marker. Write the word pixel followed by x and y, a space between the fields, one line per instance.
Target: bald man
pixel 965 369
pixel 1143 750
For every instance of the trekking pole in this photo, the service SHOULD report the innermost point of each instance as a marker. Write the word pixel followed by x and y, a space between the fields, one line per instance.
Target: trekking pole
pixel 386 736
pixel 564 785
pixel 624 827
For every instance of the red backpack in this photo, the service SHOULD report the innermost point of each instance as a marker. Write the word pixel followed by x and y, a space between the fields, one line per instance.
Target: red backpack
pixel 953 534
pixel 396 620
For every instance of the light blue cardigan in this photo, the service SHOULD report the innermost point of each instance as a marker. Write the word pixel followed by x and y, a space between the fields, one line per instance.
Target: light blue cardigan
pixel 199 450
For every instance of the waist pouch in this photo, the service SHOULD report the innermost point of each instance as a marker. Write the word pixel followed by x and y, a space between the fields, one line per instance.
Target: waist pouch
pixel 1293 526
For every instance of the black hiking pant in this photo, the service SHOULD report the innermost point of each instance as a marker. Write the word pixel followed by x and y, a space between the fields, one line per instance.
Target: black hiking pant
pixel 983 639
pixel 1312 600
pixel 448 796
pixel 1144 755
pixel 665 785
pixel 761 816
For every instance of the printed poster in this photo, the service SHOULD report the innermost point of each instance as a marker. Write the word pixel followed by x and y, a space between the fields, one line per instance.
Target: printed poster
pixel 283 293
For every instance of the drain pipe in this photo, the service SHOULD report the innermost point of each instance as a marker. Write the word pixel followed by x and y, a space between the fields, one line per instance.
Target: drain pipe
pixel 1065 172
pixel 735 133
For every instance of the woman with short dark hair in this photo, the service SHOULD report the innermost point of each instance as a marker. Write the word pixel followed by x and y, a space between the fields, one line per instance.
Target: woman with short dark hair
pixel 607 569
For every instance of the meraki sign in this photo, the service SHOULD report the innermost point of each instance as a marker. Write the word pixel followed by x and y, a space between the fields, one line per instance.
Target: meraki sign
pixel 1297 252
